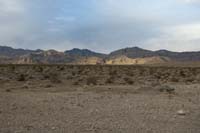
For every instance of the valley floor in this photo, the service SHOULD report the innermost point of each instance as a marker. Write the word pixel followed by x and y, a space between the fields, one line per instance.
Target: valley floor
pixel 99 99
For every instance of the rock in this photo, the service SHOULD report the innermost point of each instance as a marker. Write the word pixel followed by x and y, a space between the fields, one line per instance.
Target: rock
pixel 181 112
pixel 53 128
pixel 166 89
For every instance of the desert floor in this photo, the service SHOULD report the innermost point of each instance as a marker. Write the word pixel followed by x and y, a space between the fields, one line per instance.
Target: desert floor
pixel 99 99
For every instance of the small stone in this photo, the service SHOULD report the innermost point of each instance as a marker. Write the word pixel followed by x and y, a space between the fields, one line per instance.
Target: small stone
pixel 181 112
pixel 167 89
pixel 53 128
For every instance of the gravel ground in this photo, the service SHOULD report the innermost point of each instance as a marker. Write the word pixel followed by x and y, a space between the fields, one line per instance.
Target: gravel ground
pixel 32 104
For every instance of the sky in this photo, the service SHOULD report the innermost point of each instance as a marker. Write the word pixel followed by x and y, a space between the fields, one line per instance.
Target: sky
pixel 100 25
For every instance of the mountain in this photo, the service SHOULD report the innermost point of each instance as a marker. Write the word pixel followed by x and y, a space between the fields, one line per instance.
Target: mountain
pixel 179 56
pixel 10 52
pixel 124 60
pixel 90 60
pixel 134 52
pixel 44 57
pixel 134 55
pixel 84 53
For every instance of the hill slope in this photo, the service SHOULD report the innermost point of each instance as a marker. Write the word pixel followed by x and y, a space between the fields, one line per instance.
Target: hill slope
pixel 123 60
pixel 132 55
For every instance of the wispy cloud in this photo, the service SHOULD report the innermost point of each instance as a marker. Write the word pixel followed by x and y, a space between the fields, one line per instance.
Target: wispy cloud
pixel 14 6
pixel 178 38
pixel 192 1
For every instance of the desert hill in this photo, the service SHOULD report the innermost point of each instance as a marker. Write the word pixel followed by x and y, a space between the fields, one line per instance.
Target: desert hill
pixel 123 60
pixel 134 55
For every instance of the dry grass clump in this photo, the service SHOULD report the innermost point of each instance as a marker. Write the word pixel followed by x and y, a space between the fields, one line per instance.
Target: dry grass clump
pixel 131 74
pixel 21 77
pixel 38 69
pixel 91 80
pixel 73 73
pixel 54 78
pixel 76 83
pixel 60 68
pixel 113 72
pixel 12 68
pixel 46 76
pixel 190 79
pixel 8 90
pixel 110 80
pixel 128 80
pixel 174 79
pixel 182 73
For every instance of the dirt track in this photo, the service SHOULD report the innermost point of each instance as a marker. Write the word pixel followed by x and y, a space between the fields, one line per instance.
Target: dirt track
pixel 108 99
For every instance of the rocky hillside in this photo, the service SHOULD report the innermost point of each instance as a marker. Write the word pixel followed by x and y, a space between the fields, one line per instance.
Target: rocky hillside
pixel 83 53
pixel 125 56
pixel 136 52
pixel 11 52
pixel 123 60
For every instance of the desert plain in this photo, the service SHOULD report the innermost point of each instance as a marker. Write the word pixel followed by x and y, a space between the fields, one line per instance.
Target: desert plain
pixel 99 99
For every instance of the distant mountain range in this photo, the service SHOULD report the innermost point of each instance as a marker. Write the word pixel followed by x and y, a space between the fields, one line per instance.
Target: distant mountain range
pixel 134 55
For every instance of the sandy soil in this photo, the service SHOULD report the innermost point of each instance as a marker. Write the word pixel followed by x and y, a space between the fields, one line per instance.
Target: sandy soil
pixel 99 99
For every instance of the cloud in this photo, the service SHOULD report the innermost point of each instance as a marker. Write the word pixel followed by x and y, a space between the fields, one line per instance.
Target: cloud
pixel 101 25
pixel 14 6
pixel 178 38
pixel 192 1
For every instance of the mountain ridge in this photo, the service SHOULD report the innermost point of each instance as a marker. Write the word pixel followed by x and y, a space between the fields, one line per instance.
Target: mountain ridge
pixel 130 55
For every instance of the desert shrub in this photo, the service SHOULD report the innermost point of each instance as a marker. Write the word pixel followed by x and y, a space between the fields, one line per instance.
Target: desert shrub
pixel 46 76
pixel 21 77
pixel 12 68
pixel 91 81
pixel 73 73
pixel 182 74
pixel 113 72
pixel 191 79
pixel 60 68
pixel 69 77
pixel 129 80
pixel 48 86
pixel 76 83
pixel 54 78
pixel 39 69
pixel 174 79
pixel 80 71
pixel 130 74
pixel 8 90
pixel 110 80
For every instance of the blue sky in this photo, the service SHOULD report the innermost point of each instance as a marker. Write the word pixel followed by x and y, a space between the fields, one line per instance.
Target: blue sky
pixel 100 25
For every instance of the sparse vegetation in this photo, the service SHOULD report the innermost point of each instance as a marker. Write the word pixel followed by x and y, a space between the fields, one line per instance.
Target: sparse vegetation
pixel 109 81
pixel 109 74
pixel 54 78
pixel 91 81
pixel 128 80
pixel 95 90
pixel 21 77
pixel 8 90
